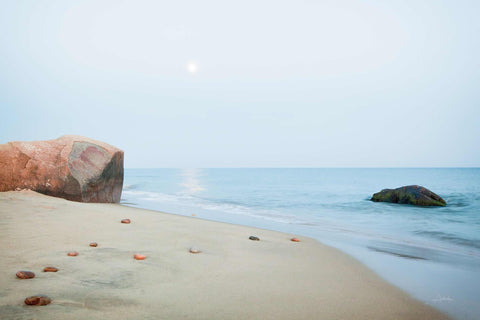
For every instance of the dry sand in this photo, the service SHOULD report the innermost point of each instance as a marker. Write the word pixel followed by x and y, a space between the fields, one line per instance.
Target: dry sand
pixel 232 278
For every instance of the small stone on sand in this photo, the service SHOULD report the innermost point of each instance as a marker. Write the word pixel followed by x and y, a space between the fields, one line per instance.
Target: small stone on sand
pixel 25 275
pixel 50 269
pixel 39 300
pixel 194 250
pixel 126 221
pixel 295 240
pixel 93 244
pixel 72 254
pixel 139 257
pixel 254 238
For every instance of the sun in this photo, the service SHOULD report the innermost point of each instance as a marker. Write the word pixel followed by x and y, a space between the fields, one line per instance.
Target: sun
pixel 192 67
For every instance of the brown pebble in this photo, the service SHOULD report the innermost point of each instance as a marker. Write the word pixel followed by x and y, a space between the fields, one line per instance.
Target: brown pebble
pixel 139 257
pixel 25 275
pixel 39 300
pixel 295 240
pixel 126 221
pixel 254 238
pixel 194 250
pixel 72 254
pixel 93 244
pixel 50 269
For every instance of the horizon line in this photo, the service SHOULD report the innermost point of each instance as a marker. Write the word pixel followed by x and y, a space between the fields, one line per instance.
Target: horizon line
pixel 261 167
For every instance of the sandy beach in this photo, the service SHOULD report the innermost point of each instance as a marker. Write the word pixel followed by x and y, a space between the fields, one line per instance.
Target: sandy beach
pixel 232 278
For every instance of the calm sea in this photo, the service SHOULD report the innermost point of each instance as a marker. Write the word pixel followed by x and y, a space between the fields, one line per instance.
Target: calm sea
pixel 432 253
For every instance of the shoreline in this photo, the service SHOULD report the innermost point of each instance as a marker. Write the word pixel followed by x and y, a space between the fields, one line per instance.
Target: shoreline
pixel 232 278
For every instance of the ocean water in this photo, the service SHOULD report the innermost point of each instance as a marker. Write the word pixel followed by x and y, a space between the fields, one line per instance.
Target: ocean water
pixel 432 253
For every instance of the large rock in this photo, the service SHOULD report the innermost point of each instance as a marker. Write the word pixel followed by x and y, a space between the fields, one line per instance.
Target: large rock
pixel 415 195
pixel 71 167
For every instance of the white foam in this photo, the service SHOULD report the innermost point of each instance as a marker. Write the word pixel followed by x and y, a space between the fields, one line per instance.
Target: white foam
pixel 185 199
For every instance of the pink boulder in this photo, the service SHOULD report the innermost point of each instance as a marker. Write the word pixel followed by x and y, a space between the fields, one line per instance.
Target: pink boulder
pixel 71 167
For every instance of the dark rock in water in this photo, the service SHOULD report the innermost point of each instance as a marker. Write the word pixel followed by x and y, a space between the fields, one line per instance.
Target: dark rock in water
pixel 254 238
pixel 25 275
pixel 39 300
pixel 415 195
pixel 71 167
pixel 127 221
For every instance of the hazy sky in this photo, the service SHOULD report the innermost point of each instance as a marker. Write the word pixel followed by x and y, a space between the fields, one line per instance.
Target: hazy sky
pixel 247 83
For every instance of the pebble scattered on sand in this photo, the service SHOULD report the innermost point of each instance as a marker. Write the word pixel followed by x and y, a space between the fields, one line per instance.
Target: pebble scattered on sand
pixel 93 244
pixel 25 275
pixel 39 300
pixel 72 254
pixel 126 221
pixel 139 257
pixel 50 269
pixel 295 240
pixel 194 250
pixel 254 238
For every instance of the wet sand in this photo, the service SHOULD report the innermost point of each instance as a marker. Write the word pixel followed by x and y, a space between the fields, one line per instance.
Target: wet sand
pixel 231 278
